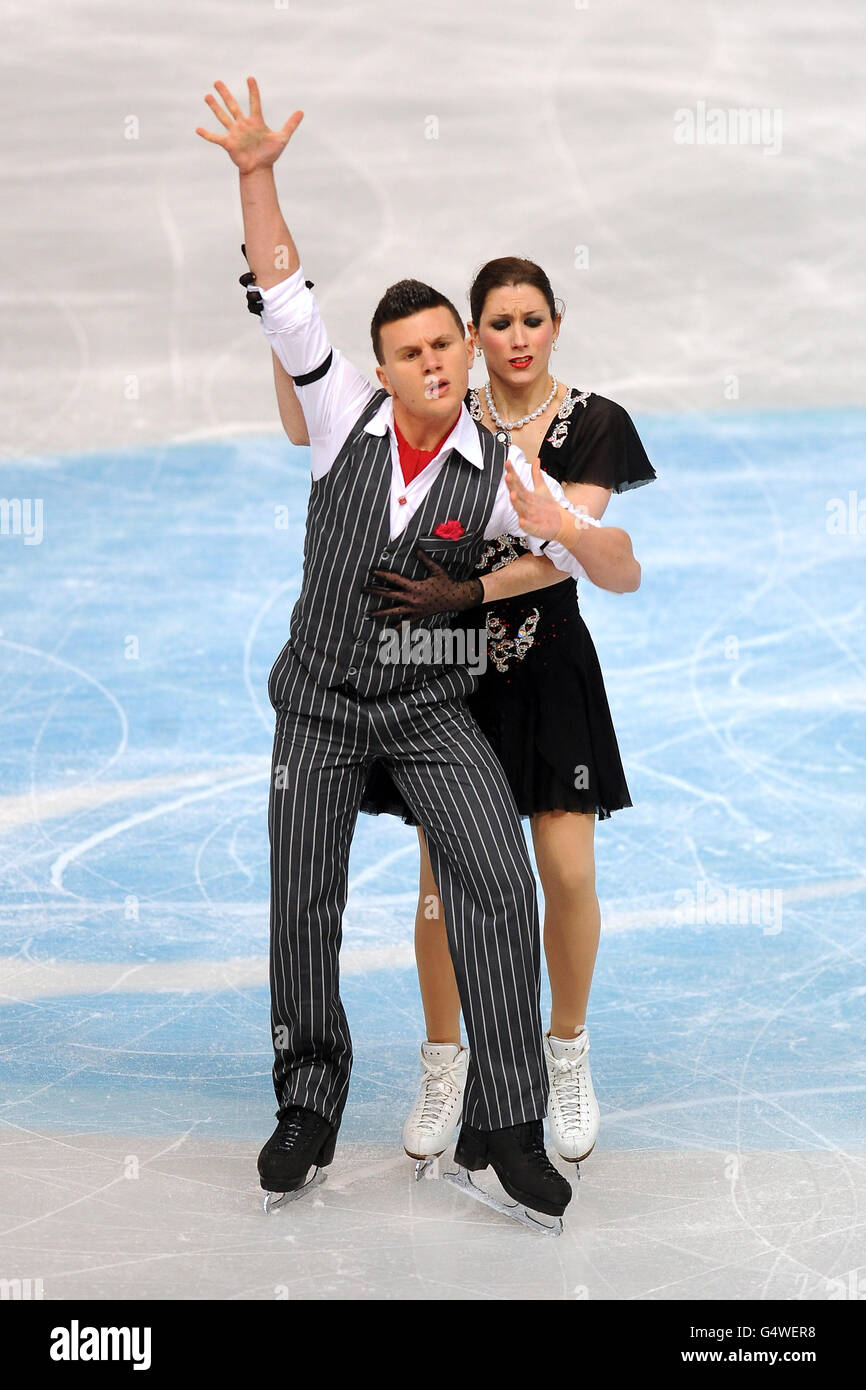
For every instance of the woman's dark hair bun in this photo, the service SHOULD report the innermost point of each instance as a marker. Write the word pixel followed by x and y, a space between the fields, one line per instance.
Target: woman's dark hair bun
pixel 508 270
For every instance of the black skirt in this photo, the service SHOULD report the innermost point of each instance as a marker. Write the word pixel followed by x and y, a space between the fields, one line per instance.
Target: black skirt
pixel 543 707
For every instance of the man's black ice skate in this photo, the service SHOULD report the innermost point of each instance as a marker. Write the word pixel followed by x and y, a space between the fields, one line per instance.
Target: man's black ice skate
pixel 302 1140
pixel 518 1158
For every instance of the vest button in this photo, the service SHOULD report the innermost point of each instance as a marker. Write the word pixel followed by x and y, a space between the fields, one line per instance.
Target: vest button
pixel 352 671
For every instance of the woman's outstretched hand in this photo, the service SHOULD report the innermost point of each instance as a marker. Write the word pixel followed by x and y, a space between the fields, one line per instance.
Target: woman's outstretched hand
pixel 249 143
pixel 537 511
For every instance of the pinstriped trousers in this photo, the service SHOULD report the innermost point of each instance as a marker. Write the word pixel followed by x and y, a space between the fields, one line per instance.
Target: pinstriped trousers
pixel 325 740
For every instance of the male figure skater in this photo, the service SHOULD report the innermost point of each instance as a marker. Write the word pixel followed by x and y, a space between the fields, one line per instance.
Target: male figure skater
pixel 340 706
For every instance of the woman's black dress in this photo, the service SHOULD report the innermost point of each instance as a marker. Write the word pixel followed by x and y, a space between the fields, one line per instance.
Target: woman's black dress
pixel 542 702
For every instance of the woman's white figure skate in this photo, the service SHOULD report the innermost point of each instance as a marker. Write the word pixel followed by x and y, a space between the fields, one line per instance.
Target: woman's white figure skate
pixel 435 1117
pixel 572 1108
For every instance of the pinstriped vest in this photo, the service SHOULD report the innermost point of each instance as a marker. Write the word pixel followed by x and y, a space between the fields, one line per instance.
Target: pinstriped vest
pixel 348 536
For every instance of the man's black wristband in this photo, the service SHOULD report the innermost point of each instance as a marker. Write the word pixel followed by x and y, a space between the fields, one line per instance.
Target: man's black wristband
pixel 255 303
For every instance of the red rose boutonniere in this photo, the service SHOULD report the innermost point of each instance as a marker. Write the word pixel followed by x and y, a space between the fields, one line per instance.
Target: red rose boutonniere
pixel 449 530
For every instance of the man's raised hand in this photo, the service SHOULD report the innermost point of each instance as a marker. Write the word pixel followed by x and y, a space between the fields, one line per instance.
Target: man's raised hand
pixel 249 143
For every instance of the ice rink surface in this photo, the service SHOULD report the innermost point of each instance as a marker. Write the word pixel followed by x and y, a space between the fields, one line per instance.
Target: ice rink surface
pixel 716 291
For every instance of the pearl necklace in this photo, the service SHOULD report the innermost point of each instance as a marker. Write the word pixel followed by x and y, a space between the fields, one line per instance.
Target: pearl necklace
pixel 525 419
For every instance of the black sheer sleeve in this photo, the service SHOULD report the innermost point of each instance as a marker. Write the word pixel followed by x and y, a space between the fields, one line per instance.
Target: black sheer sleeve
pixel 603 447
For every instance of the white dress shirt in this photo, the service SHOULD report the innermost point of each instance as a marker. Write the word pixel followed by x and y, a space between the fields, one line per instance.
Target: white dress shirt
pixel 294 328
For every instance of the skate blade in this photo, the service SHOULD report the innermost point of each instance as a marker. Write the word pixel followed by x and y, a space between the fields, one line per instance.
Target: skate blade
pixel 524 1216
pixel 275 1200
pixel 427 1167
pixel 425 1163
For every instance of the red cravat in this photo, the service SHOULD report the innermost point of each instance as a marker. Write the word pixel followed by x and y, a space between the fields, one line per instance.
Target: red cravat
pixel 412 461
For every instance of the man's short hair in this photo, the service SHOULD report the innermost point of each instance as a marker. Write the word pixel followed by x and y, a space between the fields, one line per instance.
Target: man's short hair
pixel 402 300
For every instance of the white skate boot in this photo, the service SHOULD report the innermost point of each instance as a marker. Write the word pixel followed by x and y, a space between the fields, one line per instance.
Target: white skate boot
pixel 572 1108
pixel 435 1117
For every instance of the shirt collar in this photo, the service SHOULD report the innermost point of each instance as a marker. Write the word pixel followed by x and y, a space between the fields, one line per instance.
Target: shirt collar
pixel 463 438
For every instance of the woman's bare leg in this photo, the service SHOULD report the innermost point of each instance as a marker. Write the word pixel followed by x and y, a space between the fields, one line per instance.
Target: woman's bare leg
pixel 439 994
pixel 564 853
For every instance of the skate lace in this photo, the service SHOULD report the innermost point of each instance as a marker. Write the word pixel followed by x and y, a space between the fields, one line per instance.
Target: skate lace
pixel 533 1143
pixel 440 1085
pixel 292 1128
pixel 570 1084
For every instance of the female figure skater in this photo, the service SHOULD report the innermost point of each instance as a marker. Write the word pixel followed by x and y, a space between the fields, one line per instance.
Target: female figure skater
pixel 541 702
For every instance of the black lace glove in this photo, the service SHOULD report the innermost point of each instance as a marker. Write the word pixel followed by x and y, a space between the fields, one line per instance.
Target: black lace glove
pixel 418 598
pixel 255 303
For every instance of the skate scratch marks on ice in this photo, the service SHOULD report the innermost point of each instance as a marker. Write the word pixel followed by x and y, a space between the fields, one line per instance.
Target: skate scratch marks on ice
pixel 68 857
